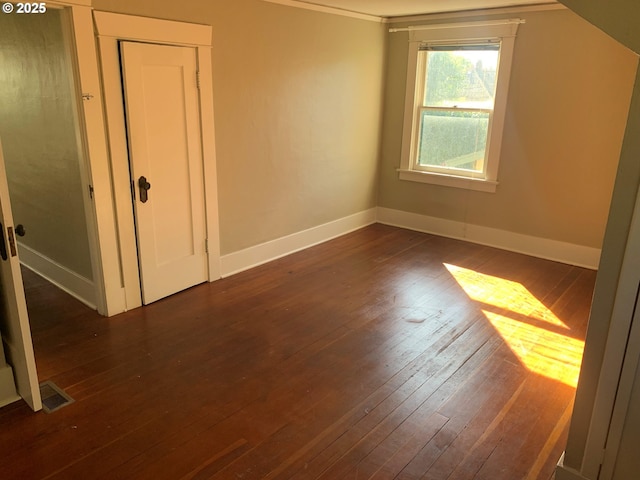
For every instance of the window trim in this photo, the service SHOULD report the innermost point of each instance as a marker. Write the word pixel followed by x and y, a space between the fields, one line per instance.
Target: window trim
pixel 503 31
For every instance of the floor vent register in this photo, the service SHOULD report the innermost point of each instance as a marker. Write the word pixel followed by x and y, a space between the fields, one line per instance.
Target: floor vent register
pixel 53 397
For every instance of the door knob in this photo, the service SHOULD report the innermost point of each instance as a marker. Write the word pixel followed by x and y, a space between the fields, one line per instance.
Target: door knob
pixel 144 187
pixel 20 231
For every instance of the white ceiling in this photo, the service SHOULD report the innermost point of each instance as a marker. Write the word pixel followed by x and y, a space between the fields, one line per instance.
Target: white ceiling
pixel 398 8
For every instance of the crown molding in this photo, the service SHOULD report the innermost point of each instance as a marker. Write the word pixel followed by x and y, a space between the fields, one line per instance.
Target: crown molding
pixel 471 13
pixel 536 7
pixel 331 10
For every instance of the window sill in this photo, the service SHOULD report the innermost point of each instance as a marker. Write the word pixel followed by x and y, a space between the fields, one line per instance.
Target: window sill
pixel 477 184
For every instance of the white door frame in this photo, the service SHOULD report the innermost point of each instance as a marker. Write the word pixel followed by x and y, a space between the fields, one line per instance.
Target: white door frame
pixel 72 23
pixel 101 225
pixel 621 357
pixel 623 398
pixel 110 29
pixel 620 360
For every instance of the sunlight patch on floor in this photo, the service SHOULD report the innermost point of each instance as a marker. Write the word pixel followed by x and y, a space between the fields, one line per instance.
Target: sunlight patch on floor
pixel 521 323
pixel 502 293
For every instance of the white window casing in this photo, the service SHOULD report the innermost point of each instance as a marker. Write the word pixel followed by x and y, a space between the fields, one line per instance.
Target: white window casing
pixel 499 31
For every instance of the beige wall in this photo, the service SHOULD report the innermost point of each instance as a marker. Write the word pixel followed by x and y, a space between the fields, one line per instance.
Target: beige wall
pixel 297 103
pixel 568 99
pixel 38 131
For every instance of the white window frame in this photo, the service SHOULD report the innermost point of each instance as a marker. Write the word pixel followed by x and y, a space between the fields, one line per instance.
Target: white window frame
pixel 502 31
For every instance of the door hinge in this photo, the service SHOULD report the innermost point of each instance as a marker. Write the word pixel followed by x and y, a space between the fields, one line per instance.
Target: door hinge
pixel 91 192
pixel 206 245
pixel 198 79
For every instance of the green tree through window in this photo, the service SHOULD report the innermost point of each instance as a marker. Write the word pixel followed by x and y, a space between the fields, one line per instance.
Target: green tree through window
pixel 446 75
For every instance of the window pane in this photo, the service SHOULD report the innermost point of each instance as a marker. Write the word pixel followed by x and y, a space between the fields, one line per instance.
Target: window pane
pixel 461 78
pixel 453 139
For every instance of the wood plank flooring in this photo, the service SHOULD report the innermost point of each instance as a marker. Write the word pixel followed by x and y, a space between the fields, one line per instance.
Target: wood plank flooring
pixel 382 354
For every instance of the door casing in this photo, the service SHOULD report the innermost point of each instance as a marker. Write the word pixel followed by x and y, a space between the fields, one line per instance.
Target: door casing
pixel 111 29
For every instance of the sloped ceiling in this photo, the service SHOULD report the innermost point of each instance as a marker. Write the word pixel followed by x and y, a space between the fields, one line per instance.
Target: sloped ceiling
pixel 618 18
pixel 398 8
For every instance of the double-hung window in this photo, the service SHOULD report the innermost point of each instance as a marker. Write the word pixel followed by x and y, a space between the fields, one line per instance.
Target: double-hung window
pixel 457 85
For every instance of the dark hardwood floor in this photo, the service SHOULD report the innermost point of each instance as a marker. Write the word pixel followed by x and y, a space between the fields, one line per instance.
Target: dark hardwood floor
pixel 381 354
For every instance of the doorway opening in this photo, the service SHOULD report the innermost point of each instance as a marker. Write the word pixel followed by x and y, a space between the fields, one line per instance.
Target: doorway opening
pixel 44 158
pixel 46 170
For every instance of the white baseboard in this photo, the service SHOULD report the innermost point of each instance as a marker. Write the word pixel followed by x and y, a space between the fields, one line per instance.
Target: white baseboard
pixel 74 284
pixel 563 252
pixel 241 260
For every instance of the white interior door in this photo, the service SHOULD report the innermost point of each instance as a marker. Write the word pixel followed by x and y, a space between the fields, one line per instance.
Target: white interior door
pixel 14 323
pixel 165 148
